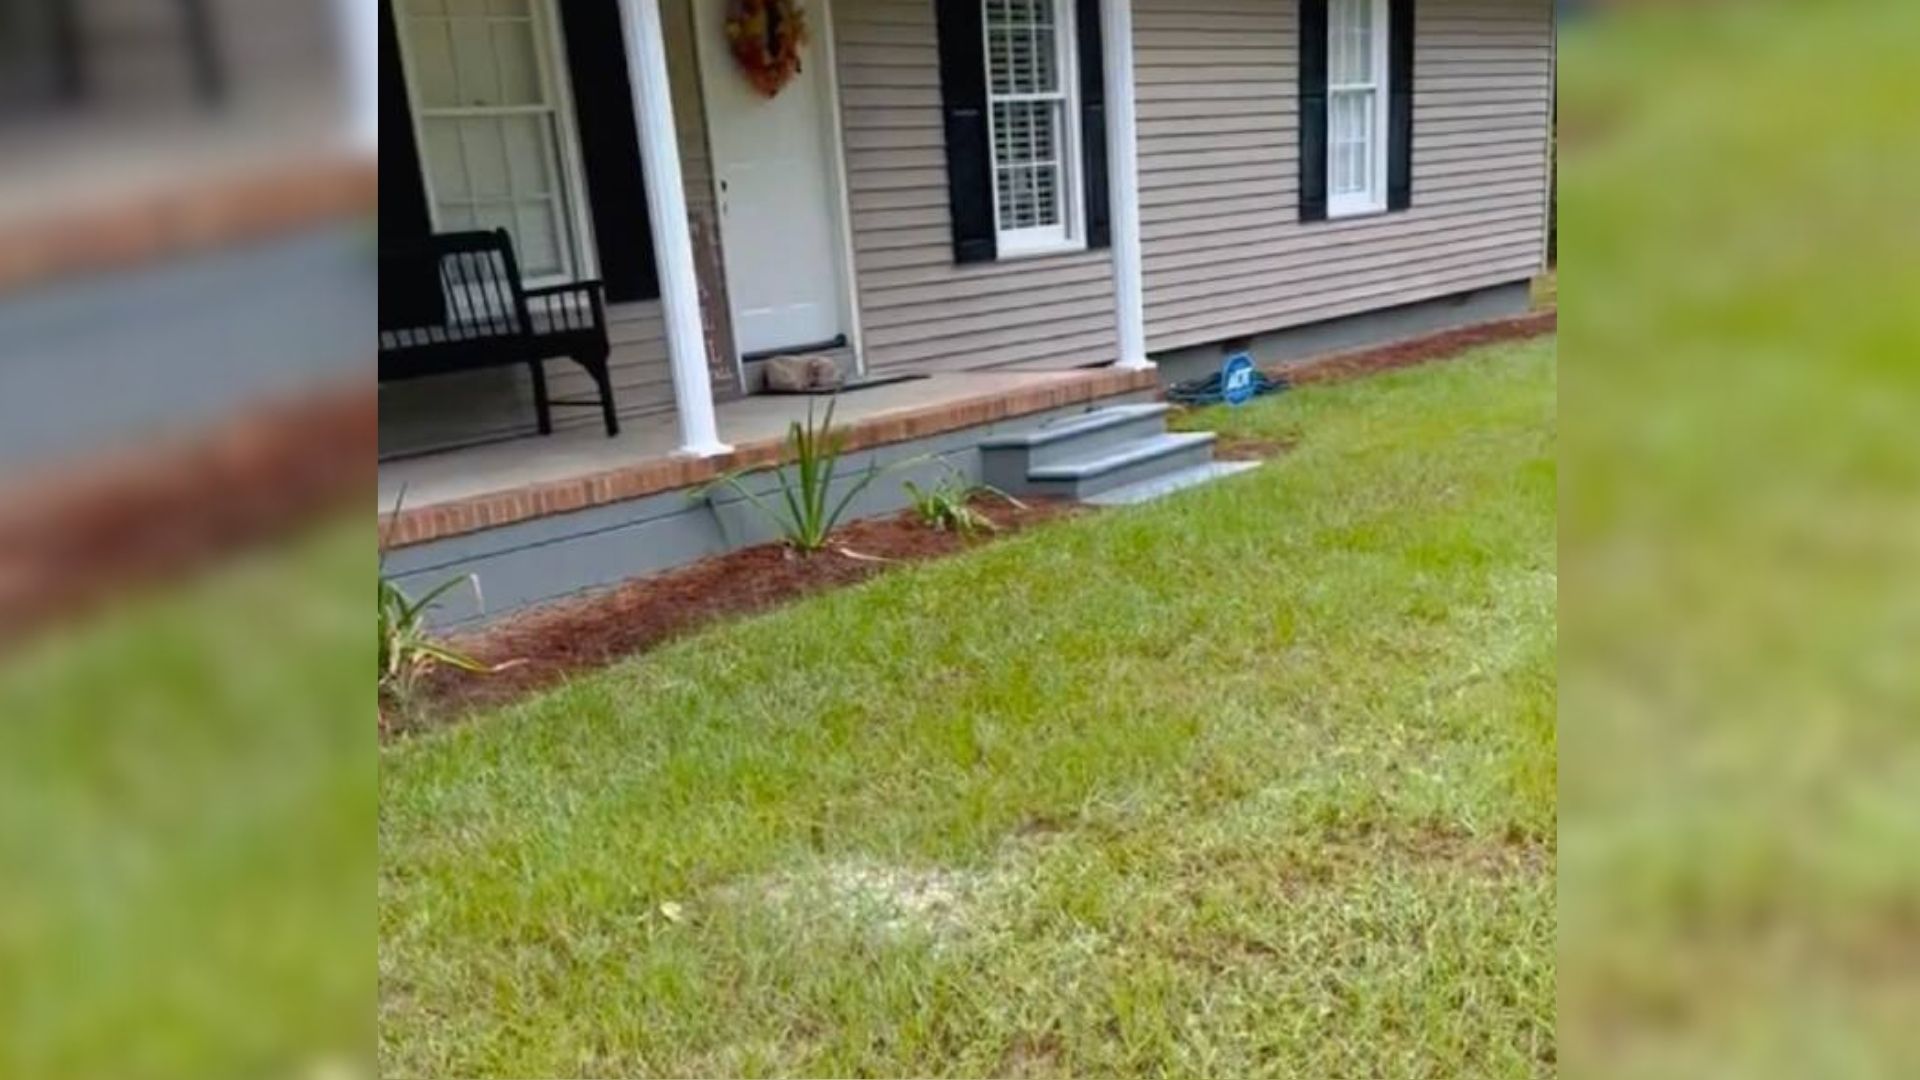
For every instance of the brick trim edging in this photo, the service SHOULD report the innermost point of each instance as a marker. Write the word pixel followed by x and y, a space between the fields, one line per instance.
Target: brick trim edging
pixel 1355 363
pixel 420 525
pixel 206 214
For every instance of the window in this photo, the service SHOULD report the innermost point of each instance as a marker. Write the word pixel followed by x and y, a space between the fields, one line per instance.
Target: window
pixel 1035 125
pixel 495 150
pixel 1356 106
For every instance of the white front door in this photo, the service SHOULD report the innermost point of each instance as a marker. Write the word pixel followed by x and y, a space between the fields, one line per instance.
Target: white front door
pixel 775 180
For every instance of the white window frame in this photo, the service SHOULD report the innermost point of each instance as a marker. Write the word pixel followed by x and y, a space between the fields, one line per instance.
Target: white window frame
pixel 550 50
pixel 1374 199
pixel 1069 235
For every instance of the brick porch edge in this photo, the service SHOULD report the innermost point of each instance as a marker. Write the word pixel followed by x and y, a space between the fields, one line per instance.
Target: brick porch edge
pixel 208 214
pixel 422 524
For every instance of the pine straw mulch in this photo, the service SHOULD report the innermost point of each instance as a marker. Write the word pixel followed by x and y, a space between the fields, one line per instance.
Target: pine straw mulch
pixel 543 646
pixel 1399 354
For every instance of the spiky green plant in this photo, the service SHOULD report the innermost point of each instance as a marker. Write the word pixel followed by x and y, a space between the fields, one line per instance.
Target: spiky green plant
pixel 408 651
pixel 806 512
pixel 947 504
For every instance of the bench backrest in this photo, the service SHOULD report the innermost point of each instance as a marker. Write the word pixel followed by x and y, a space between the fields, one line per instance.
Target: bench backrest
pixel 451 288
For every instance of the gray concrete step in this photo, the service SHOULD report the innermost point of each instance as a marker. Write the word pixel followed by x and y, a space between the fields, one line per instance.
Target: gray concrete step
pixel 1006 459
pixel 1142 491
pixel 1109 467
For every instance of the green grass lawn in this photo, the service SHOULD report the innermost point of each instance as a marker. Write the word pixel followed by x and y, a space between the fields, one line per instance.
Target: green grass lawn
pixel 1256 781
pixel 187 796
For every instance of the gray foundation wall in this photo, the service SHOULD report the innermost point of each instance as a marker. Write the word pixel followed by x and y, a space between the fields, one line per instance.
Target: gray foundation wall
pixel 1282 347
pixel 546 559
pixel 94 363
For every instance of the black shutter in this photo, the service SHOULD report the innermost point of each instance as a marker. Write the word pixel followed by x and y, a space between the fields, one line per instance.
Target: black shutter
pixel 1313 110
pixel 610 148
pixel 1399 104
pixel 1093 122
pixel 963 100
pixel 409 285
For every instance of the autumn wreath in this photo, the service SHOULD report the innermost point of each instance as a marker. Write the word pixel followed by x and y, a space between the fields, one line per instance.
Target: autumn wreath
pixel 768 38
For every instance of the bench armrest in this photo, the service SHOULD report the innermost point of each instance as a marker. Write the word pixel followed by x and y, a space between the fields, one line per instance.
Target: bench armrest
pixel 589 285
pixel 577 305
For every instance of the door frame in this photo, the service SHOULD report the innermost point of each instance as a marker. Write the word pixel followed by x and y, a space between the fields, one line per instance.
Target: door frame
pixel 833 137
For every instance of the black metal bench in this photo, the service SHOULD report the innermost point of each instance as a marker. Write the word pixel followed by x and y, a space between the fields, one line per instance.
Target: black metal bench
pixel 455 303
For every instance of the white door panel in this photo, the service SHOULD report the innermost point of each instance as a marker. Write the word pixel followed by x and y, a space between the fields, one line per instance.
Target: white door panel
pixel 774 176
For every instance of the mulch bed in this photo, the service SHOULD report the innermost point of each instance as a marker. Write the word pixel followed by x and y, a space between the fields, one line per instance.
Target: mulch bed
pixel 76 535
pixel 1399 354
pixel 543 646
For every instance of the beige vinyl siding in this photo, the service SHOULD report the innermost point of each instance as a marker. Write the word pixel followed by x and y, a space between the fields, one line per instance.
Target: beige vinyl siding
pixel 270 52
pixel 452 410
pixel 919 311
pixel 1225 252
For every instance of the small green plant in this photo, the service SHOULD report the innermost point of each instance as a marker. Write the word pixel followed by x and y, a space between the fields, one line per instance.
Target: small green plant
pixel 947 505
pixel 407 650
pixel 806 513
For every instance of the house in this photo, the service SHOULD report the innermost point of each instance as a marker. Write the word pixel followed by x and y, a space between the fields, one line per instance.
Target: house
pixel 1030 207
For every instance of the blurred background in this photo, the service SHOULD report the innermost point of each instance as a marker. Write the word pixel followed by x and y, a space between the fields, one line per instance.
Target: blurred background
pixel 1740 539
pixel 187 419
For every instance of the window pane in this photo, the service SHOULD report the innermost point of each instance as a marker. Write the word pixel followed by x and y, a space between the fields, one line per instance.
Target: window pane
pixel 506 161
pixel 537 239
pixel 1350 138
pixel 443 158
pixel 1350 42
pixel 473 60
pixel 1339 143
pixel 1363 157
pixel 1022 47
pixel 519 64
pixel 1027 141
pixel 529 153
pixel 432 54
pixel 495 215
pixel 487 175
pixel 1337 65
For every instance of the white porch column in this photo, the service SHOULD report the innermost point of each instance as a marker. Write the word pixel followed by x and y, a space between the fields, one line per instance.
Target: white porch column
pixel 360 70
pixel 672 236
pixel 1123 183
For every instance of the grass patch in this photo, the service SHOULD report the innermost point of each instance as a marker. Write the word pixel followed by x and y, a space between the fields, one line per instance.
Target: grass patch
pixel 187 791
pixel 1258 780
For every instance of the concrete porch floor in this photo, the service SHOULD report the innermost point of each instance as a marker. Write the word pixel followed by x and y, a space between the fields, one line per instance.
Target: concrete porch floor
pixel 495 468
